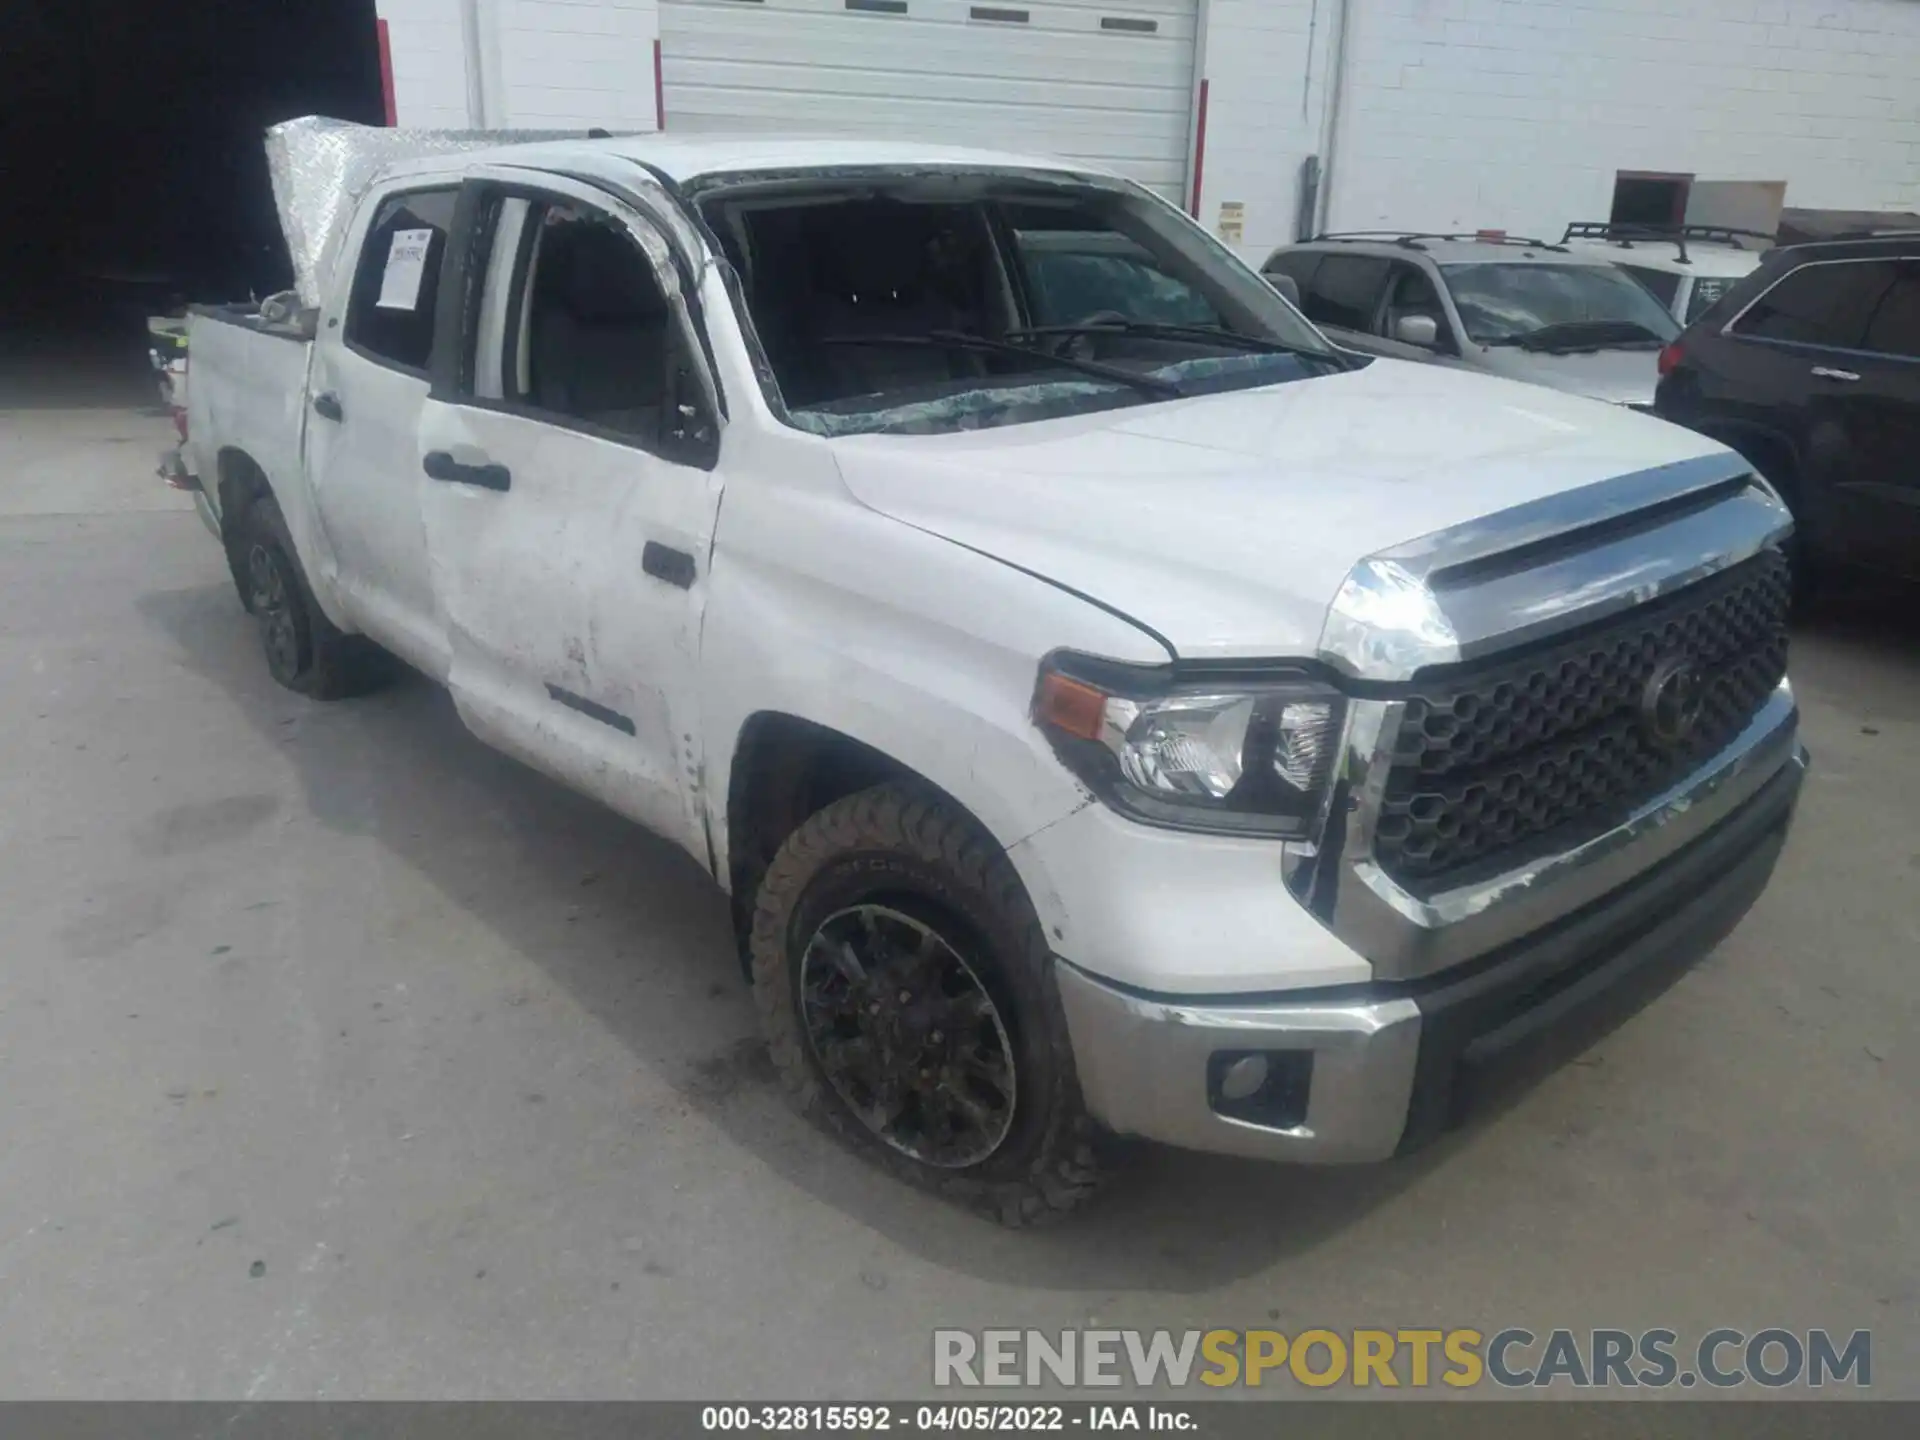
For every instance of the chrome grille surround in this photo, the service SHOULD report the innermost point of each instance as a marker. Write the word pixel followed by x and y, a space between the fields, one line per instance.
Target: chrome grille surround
pixel 1521 579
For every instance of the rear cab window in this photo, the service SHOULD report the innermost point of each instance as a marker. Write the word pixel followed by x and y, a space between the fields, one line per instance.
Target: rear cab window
pixel 396 282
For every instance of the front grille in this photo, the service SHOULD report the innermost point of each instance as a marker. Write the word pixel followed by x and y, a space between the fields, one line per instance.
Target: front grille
pixel 1510 756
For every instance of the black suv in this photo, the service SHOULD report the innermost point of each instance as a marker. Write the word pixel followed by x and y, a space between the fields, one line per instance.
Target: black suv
pixel 1810 368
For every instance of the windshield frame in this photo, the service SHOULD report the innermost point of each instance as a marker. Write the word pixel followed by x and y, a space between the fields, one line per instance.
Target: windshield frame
pixel 1610 276
pixel 1276 318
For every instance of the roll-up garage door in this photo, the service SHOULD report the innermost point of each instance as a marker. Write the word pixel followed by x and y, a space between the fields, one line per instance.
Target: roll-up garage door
pixel 1109 81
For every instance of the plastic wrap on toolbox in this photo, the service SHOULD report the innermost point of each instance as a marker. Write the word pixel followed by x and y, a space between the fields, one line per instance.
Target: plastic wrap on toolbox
pixel 321 167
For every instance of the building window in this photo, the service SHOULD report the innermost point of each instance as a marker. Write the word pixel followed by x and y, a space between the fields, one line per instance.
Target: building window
pixel 1648 197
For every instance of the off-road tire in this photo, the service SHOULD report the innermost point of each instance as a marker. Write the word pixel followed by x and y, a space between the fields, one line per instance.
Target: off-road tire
pixel 904 842
pixel 305 651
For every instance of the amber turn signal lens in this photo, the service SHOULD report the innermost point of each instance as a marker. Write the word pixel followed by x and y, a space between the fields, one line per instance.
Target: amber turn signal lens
pixel 1070 706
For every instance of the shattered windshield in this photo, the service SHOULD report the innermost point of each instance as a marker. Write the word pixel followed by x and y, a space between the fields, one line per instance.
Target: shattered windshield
pixel 1552 307
pixel 929 302
pixel 983 407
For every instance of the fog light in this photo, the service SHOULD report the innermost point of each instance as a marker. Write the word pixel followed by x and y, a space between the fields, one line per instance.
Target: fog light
pixel 1243 1078
pixel 1260 1087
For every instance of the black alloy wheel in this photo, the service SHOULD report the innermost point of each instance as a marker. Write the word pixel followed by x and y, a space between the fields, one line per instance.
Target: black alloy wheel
pixel 271 598
pixel 908 1036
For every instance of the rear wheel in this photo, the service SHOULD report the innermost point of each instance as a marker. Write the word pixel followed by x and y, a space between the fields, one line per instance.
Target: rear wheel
pixel 906 993
pixel 305 651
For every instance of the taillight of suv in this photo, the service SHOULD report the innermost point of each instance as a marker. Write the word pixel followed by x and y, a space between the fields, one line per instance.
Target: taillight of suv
pixel 1670 357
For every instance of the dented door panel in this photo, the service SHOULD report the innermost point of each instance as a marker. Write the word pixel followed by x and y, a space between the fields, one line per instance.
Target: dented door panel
pixel 569 559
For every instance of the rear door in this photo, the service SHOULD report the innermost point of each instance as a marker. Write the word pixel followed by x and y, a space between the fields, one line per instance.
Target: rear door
pixel 570 488
pixel 1819 356
pixel 368 385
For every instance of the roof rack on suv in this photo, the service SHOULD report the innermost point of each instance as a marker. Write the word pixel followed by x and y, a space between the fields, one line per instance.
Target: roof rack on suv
pixel 1411 240
pixel 1626 234
pixel 1869 235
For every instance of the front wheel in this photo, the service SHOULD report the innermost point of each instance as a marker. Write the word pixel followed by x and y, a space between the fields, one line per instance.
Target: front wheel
pixel 906 993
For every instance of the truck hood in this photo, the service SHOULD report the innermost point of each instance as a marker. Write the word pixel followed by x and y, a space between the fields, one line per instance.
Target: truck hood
pixel 1226 523
pixel 1621 377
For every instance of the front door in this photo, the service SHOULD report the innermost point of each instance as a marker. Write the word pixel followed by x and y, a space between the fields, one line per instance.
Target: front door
pixel 570 496
pixel 1820 354
pixel 368 384
pixel 1882 416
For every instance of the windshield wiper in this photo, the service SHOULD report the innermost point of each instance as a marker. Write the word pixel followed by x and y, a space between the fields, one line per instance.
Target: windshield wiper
pixel 1198 333
pixel 960 340
pixel 1584 335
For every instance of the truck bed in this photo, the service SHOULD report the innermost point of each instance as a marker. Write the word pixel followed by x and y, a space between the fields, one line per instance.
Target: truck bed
pixel 248 392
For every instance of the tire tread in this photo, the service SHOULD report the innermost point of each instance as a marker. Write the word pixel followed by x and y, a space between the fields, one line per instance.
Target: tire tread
pixel 904 817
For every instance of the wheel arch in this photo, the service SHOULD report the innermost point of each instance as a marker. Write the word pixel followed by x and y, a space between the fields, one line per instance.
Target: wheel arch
pixel 783 770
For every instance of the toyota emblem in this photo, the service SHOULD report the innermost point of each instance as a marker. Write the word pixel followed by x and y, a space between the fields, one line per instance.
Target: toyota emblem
pixel 1670 705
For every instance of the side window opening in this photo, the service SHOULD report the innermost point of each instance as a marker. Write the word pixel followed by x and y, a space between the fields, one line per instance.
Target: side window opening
pixel 1895 326
pixel 1413 295
pixel 573 323
pixel 390 309
pixel 1299 264
pixel 1707 292
pixel 1827 303
pixel 596 329
pixel 1344 291
pixel 1663 285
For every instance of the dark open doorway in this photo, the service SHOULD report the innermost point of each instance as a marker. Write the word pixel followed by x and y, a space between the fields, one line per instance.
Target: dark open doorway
pixel 1648 198
pixel 130 150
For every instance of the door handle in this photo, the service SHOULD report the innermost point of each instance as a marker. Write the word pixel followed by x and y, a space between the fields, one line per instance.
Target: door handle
pixel 327 406
pixel 1827 372
pixel 663 562
pixel 440 465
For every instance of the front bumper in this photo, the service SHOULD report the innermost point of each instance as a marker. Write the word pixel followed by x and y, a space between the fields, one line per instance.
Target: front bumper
pixel 1361 1072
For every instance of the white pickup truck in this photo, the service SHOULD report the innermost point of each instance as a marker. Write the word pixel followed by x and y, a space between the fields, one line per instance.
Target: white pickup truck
pixel 1111 708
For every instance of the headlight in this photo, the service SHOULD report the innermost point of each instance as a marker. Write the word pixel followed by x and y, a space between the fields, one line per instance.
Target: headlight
pixel 1250 756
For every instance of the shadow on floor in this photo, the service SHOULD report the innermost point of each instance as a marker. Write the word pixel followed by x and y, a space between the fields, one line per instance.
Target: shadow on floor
pixel 513 849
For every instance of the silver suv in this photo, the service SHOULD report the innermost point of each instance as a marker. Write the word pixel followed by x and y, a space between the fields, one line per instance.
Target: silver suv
pixel 1524 309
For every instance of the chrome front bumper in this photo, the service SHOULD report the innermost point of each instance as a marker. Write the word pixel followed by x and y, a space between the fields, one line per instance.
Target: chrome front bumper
pixel 1382 1067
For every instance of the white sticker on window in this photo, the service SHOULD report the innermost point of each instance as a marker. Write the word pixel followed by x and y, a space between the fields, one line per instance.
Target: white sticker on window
pixel 406 266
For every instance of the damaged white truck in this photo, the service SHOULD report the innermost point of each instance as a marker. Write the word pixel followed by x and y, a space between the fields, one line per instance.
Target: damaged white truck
pixel 1111 708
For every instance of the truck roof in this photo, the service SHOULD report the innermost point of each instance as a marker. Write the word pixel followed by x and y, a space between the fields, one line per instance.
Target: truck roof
pixel 321 166
pixel 687 157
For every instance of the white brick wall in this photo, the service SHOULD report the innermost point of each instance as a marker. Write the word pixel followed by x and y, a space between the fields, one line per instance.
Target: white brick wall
pixel 1518 113
pixel 429 62
pixel 582 63
pixel 550 64
pixel 1458 113
pixel 1261 119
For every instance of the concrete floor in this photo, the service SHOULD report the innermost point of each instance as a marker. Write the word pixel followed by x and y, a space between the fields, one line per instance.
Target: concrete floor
pixel 343 1058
